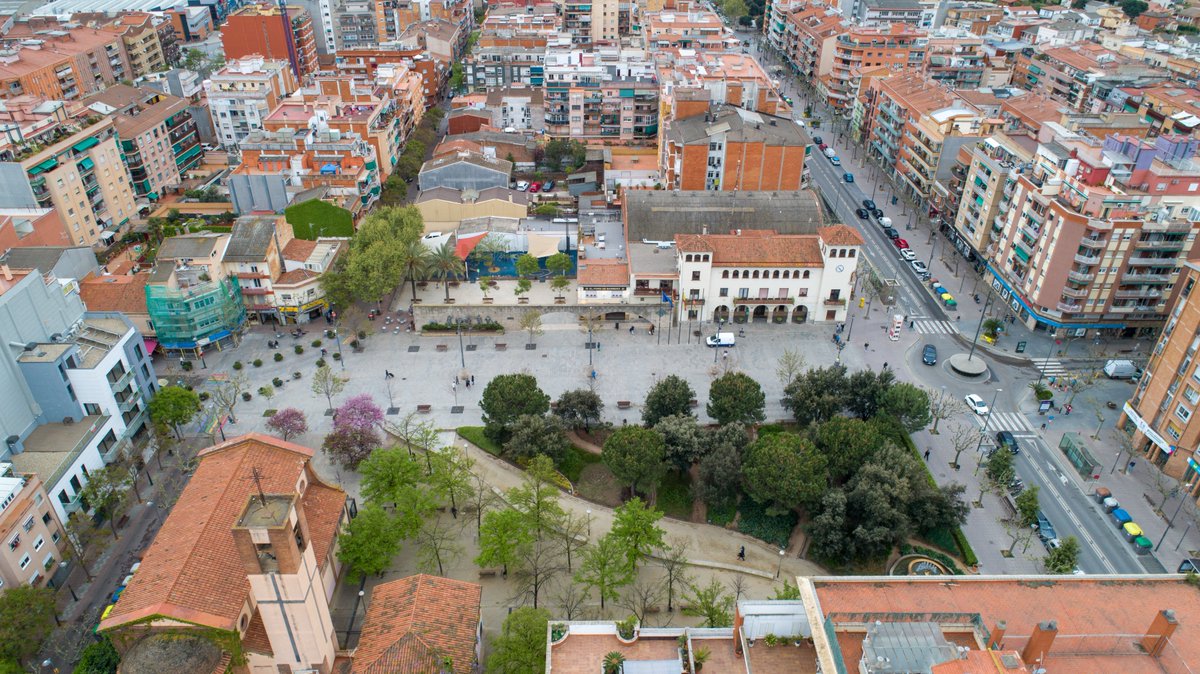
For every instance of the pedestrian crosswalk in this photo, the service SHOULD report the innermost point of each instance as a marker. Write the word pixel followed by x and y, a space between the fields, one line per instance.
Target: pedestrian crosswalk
pixel 1015 422
pixel 1050 366
pixel 935 327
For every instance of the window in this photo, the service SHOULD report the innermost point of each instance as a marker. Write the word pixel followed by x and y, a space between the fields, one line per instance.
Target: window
pixel 695 276
pixel 805 274
pixel 25 561
pixel 14 542
pixel 46 518
pixel 1183 413
pixel 743 293
pixel 725 274
pixel 723 292
pixel 37 544
pixel 28 526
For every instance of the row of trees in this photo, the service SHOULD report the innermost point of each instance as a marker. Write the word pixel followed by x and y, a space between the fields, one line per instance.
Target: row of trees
pixel 408 165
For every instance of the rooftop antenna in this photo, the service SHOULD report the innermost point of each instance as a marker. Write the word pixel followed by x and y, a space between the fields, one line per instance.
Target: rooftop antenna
pixel 257 477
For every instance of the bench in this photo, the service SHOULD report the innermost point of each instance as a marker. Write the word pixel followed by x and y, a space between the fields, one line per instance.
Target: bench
pixel 442 347
pixel 501 346
pixel 487 573
pixel 424 409
pixel 693 403
pixel 624 404
pixel 553 405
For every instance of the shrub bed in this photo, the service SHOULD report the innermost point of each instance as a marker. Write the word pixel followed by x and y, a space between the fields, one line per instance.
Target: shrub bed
pixel 720 515
pixel 489 326
pixel 774 529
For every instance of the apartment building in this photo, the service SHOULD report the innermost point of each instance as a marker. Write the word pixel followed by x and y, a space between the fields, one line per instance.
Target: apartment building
pixel 263 30
pixel 1170 108
pixel 591 23
pixel 955 59
pixel 502 66
pixel 63 65
pixel 193 303
pixel 914 128
pixel 190 24
pixel 977 194
pixel 243 93
pixel 254 256
pixel 898 48
pixel 365 63
pixel 520 108
pixel 603 93
pixel 81 175
pixel 299 295
pixel 149 41
pixel 884 13
pixel 519 26
pixel 973 17
pixel 393 16
pixel 1073 75
pixel 809 39
pixel 267 543
pixel 157 136
pixel 33 536
pixel 731 148
pixel 353 24
pixel 700 30
pixel 1080 252
pixel 724 77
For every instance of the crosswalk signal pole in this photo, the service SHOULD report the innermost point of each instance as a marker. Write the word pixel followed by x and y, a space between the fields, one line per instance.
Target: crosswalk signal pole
pixel 1042 369
pixel 979 327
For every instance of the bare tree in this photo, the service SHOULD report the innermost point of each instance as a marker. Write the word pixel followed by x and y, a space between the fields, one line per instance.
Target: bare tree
pixel 643 596
pixel 571 598
pixel 327 383
pixel 531 322
pixel 225 395
pixel 738 585
pixel 1165 485
pixel 789 366
pixel 439 546
pixel 962 437
pixel 942 406
pixel 573 535
pixel 481 499
pixel 537 564
pixel 1080 384
pixel 673 559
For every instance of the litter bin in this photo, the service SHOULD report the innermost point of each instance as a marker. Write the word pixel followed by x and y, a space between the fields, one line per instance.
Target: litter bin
pixel 1142 545
pixel 1110 504
pixel 1132 531
pixel 1101 493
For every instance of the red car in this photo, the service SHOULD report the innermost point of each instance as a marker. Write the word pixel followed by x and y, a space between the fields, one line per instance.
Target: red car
pixel 823 147
pixel 535 188
pixel 900 243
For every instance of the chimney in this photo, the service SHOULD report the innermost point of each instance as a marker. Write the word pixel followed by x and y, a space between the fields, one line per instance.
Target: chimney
pixel 1040 642
pixel 6 271
pixel 996 640
pixel 1160 631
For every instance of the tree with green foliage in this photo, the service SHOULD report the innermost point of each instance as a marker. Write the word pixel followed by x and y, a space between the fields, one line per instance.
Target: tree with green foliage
pixel 174 406
pixel 450 479
pixel 605 568
pixel 670 395
pixel 720 468
pixel 784 471
pixel 1028 506
pixel 1064 558
pixel 507 397
pixel 559 263
pixel 527 265
pixel 1134 8
pixel 734 9
pixel 375 262
pixel 865 390
pixel 816 395
pixel 685 440
pixel 107 491
pixel 456 76
pixel 26 619
pixel 98 657
pixel 999 470
pixel 637 457
pixel 392 475
pixel 580 408
pixel 847 444
pixel 635 527
pixel 370 542
pixel 531 322
pixel 520 648
pixel 446 266
pixel 412 258
pixel 534 434
pixel 327 383
pixel 711 602
pixel 502 535
pixel 908 404
pixel 564 155
pixel 827 531
pixel 736 397
pixel 537 497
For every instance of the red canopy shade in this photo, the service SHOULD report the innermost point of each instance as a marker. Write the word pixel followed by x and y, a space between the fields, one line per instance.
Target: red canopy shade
pixel 463 245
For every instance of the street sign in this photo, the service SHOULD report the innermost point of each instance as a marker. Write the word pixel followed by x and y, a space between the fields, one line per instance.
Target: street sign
pixel 1021 347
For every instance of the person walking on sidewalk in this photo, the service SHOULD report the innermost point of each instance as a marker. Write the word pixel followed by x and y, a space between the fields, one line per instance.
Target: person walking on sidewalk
pixel 742 554
pixel 927 455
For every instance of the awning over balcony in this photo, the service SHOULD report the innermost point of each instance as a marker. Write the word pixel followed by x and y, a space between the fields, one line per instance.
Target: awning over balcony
pixel 86 143
pixel 1024 257
pixel 47 165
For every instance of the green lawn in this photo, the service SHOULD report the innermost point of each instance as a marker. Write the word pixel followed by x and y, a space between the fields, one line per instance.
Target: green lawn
pixel 576 460
pixel 675 496
pixel 315 218
pixel 475 436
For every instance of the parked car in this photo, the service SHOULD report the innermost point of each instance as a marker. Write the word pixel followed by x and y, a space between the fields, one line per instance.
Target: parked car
pixel 869 205
pixel 819 141
pixel 548 185
pixel 884 221
pixel 829 152
pixel 878 213
pixel 535 188
pixel 836 161
pixel 891 233
pixel 849 177
pixel 1006 440
pixel 1046 532
pixel 902 244
pixel 522 186
pixel 823 147
pixel 862 213
pixel 976 404
pixel 919 266
pixel 907 255
pixel 929 355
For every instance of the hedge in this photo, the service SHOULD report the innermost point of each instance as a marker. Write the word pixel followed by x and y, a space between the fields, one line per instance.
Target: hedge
pixel 947 562
pixel 315 218
pixel 490 326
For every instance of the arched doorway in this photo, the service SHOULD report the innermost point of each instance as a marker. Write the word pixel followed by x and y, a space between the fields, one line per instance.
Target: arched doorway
pixel 780 315
pixel 800 314
pixel 721 314
pixel 760 314
pixel 741 313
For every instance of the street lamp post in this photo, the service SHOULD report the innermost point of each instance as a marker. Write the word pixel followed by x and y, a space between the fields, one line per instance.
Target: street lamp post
pixel 779 567
pixel 979 327
pixel 589 520
pixel 337 337
pixel 987 420
pixel 1184 497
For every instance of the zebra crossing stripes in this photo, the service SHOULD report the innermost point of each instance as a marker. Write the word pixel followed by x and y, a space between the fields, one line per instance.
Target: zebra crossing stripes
pixel 1004 421
pixel 1050 366
pixel 935 327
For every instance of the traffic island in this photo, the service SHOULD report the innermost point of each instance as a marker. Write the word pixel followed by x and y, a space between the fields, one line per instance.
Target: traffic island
pixel 968 367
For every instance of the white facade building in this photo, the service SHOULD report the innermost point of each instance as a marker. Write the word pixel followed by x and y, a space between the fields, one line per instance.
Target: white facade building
pixel 761 275
pixel 243 93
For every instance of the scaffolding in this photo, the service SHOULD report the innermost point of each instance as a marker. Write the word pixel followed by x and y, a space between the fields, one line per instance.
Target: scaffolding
pixel 196 315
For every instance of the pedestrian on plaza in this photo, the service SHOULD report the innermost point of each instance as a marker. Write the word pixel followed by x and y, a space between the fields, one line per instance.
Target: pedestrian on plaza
pixel 467 383
pixel 927 455
pixel 742 554
pixel 866 345
pixel 1043 425
pixel 885 364
pixel 323 352
pixel 456 380
pixel 1131 465
pixel 617 325
pixel 631 329
pixel 472 379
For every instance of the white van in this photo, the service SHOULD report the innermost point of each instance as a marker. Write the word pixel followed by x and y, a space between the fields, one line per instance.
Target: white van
pixel 1120 369
pixel 721 339
pixel 885 222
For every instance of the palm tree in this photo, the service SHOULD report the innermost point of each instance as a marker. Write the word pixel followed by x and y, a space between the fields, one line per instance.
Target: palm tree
pixel 445 265
pixel 413 259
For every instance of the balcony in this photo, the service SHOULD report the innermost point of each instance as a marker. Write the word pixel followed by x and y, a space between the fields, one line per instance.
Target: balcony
pixel 1142 293
pixel 1067 307
pixel 1080 277
pixel 1146 261
pixel 834 302
pixel 122 381
pixel 114 453
pixel 1145 278
pixel 1077 293
pixel 71 506
pixel 764 300
pixel 1088 242
pixel 1087 259
pixel 1160 244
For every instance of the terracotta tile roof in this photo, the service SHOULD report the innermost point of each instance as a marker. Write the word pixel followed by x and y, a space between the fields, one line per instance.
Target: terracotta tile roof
pixel 255 640
pixel 603 272
pixel 126 294
pixel 840 235
pixel 192 570
pixel 1082 605
pixel 756 248
pixel 299 250
pixel 415 623
pixel 295 276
